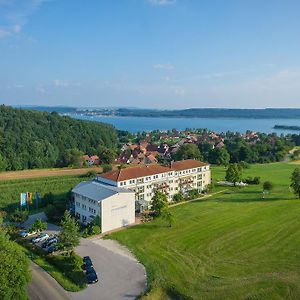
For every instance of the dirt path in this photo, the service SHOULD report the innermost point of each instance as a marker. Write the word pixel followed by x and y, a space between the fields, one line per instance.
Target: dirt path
pixel 45 173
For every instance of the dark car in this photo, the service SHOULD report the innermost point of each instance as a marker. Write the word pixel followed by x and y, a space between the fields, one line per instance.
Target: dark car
pixel 87 262
pixel 52 248
pixel 49 242
pixel 89 270
pixel 91 277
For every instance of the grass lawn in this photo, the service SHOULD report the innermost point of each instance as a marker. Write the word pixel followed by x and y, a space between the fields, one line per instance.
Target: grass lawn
pixel 235 245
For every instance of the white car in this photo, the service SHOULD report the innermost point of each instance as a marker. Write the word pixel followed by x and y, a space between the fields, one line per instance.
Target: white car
pixel 40 238
pixel 24 234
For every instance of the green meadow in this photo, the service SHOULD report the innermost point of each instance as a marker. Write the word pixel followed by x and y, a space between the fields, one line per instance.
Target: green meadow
pixel 234 245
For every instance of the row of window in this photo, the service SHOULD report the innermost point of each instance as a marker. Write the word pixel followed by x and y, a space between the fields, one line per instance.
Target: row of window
pixel 83 207
pixel 86 199
pixel 141 180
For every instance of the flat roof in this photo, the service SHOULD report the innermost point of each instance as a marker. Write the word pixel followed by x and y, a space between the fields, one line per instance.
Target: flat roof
pixel 97 191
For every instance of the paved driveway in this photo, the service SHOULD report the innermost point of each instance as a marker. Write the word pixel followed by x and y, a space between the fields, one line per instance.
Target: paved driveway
pixel 120 275
pixel 44 287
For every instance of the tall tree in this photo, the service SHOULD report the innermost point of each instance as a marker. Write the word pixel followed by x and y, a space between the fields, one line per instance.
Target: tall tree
pixel 295 182
pixel 69 235
pixel 39 225
pixel 234 173
pixel 188 151
pixel 167 215
pixel 219 156
pixel 14 269
pixel 159 202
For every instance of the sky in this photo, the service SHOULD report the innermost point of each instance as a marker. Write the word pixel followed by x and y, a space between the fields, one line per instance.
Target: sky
pixel 150 53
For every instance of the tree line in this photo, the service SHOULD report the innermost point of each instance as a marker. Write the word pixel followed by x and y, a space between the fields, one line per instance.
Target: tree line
pixel 236 149
pixel 33 139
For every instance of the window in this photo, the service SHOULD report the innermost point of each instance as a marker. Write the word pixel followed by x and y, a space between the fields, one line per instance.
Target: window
pixel 140 180
pixel 83 218
pixel 78 204
pixel 91 210
pixel 83 206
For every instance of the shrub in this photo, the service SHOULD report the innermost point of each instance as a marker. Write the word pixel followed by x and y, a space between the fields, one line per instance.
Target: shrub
pixel 91 174
pixel 94 229
pixel 192 194
pixel 106 168
pixel 252 180
pixel 178 197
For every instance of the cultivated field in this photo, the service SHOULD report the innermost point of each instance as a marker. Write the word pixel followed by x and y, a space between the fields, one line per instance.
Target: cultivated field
pixel 235 245
pixel 37 173
pixel 59 186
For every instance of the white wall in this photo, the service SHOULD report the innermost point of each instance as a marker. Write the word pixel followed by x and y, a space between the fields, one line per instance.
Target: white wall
pixel 117 211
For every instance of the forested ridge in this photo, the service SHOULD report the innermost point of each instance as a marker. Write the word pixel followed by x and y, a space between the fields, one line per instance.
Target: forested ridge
pixel 32 139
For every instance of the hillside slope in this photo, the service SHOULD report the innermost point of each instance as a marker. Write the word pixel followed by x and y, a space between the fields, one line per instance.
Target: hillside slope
pixel 234 246
pixel 32 139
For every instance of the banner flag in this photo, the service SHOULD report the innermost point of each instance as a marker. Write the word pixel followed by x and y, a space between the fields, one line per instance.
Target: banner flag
pixel 23 198
pixel 29 198
pixel 37 198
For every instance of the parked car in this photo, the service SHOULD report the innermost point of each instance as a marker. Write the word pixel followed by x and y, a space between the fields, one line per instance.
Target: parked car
pixel 52 248
pixel 25 234
pixel 40 238
pixel 91 277
pixel 87 262
pixel 49 242
pixel 89 270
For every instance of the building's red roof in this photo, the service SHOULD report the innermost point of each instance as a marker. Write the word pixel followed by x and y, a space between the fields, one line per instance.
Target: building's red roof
pixel 148 170
pixel 187 164
pixel 94 157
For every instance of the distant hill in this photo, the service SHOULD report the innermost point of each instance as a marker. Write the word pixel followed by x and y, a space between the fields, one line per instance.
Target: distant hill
pixel 58 109
pixel 33 139
pixel 268 113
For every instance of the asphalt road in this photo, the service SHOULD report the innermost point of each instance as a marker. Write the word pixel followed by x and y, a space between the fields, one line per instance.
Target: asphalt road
pixel 44 287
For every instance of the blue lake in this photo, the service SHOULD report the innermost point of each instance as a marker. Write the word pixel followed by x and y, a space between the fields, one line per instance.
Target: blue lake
pixel 135 124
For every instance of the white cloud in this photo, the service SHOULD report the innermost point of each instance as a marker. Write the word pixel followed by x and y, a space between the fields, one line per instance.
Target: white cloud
pixel 60 83
pixel 14 14
pixel 163 66
pixel 165 78
pixel 161 2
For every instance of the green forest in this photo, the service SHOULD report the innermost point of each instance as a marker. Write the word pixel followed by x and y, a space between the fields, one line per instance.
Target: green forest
pixel 32 139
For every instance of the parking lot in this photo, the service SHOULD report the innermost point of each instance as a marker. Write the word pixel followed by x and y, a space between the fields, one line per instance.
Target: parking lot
pixel 120 275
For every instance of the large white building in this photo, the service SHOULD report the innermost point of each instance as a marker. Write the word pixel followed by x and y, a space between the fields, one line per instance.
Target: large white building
pixel 115 206
pixel 180 176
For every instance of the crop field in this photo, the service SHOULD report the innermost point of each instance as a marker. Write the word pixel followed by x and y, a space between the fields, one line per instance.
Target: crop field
pixel 38 173
pixel 10 190
pixel 236 245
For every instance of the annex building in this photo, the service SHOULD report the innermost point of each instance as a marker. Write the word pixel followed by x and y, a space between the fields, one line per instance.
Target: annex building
pixel 180 176
pixel 115 206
